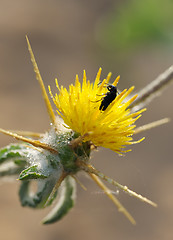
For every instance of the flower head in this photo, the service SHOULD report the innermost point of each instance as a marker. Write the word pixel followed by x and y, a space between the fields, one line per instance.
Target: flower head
pixel 79 107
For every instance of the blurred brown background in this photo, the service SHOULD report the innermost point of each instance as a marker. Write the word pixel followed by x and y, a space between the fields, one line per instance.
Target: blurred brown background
pixel 129 38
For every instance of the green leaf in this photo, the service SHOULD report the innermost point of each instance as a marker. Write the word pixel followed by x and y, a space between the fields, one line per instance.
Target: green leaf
pixel 66 199
pixel 37 199
pixel 12 159
pixel 25 198
pixel 20 162
pixel 12 151
pixel 32 172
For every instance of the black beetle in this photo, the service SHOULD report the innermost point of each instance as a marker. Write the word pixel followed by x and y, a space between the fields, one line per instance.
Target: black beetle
pixel 109 97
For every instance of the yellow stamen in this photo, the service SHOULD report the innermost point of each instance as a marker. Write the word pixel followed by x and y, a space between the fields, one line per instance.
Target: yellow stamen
pixel 116 81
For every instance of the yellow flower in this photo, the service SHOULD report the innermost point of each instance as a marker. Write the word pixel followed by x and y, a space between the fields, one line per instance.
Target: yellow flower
pixel 79 108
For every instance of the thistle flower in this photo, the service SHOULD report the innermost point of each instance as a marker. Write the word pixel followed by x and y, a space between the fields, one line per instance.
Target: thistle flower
pixel 90 116
pixel 79 108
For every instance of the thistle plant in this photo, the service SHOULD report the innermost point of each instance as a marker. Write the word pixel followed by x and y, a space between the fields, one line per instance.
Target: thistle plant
pixel 53 159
